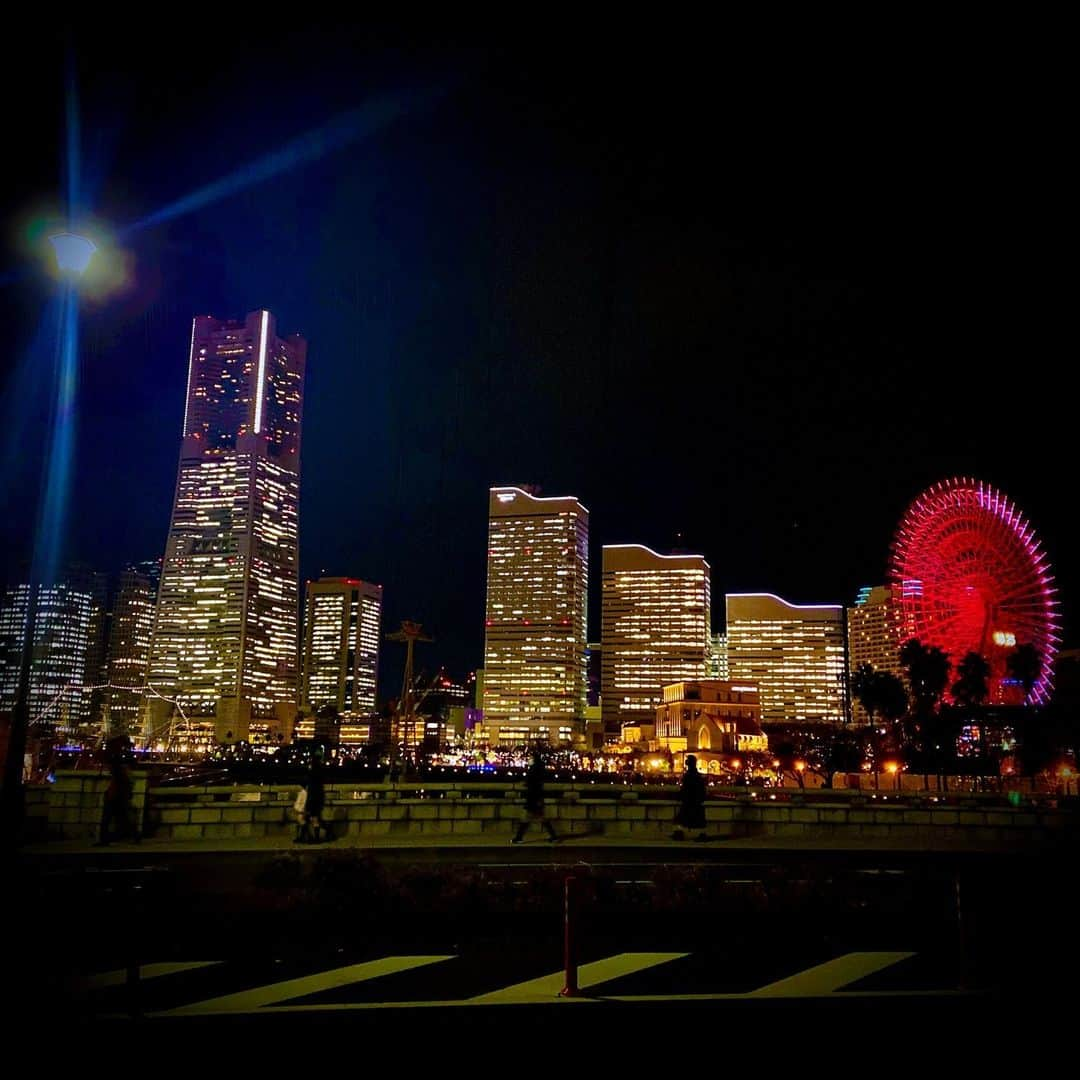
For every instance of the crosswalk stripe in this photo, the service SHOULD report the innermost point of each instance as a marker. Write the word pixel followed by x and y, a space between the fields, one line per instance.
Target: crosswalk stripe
pixel 260 996
pixel 833 975
pixel 146 971
pixel 547 987
pixel 822 980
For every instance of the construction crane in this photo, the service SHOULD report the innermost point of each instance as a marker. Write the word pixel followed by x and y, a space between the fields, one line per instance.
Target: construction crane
pixel 405 721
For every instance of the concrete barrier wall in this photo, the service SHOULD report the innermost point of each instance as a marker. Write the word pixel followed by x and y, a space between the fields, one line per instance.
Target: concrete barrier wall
pixel 72 809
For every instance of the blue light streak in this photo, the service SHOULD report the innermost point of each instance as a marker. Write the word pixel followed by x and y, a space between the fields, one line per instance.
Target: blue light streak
pixel 49 546
pixel 343 129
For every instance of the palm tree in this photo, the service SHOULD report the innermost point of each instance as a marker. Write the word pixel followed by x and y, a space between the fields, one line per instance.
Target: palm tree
pixel 972 686
pixel 1024 664
pixel 892 696
pixel 865 687
pixel 927 669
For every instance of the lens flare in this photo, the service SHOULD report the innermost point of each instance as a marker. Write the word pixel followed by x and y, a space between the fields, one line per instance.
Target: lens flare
pixel 73 252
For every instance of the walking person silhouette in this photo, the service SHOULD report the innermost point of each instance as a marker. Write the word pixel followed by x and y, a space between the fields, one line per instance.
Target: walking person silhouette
pixel 534 801
pixel 692 810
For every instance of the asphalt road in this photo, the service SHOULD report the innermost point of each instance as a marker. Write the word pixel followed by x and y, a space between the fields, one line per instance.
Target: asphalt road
pixel 473 942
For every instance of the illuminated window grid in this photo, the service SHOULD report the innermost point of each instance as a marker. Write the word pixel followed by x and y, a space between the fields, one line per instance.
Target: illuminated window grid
pixel 129 648
pixel 342 632
pixel 227 616
pixel 796 660
pixel 874 631
pixel 656 626
pixel 537 595
pixel 61 657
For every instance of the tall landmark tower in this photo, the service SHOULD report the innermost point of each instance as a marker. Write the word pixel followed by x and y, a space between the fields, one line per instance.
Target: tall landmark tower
pixel 225 644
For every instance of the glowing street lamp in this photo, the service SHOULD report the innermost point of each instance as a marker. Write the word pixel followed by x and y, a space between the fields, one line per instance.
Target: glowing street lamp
pixel 893 769
pixel 73 252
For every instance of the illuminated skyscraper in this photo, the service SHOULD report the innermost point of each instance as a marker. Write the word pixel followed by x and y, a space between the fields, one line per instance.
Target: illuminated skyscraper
pixel 655 629
pixel 873 635
pixel 341 646
pixel 225 635
pixel 130 635
pixel 66 659
pixel 537 596
pixel 793 654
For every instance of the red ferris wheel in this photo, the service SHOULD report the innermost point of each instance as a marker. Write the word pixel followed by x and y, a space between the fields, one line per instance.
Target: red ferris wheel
pixel 972 577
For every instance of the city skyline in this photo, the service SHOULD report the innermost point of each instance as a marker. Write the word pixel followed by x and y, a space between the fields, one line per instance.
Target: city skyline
pixel 499 517
pixel 564 287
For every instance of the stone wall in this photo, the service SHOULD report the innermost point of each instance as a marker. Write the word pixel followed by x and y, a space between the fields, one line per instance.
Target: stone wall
pixel 71 809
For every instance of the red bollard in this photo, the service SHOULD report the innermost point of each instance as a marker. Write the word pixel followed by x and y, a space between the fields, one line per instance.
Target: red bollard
pixel 570 942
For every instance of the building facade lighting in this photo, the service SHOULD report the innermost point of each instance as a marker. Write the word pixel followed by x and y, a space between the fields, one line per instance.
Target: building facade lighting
pixel 225 642
pixel 535 618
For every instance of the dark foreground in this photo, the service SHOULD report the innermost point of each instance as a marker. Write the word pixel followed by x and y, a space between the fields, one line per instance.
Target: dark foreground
pixel 470 943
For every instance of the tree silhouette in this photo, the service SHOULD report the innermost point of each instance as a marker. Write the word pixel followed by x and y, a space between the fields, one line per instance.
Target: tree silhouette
pixel 1024 664
pixel 927 669
pixel 972 686
pixel 822 752
pixel 892 696
pixel 879 692
pixel 866 688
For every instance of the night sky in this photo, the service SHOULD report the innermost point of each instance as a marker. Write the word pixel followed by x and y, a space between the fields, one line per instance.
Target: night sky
pixel 755 294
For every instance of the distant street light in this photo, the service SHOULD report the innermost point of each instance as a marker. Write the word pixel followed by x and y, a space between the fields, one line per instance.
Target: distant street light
pixel 893 769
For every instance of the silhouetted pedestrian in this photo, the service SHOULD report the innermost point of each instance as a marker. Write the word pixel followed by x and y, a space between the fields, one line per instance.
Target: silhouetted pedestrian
pixel 692 810
pixel 309 831
pixel 117 810
pixel 534 802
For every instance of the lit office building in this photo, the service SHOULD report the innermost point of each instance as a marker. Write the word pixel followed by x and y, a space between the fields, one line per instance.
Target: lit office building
pixel 341 652
pixel 793 654
pixel 130 633
pixel 873 636
pixel 66 661
pixel 655 629
pixel 225 634
pixel 537 595
pixel 718 665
